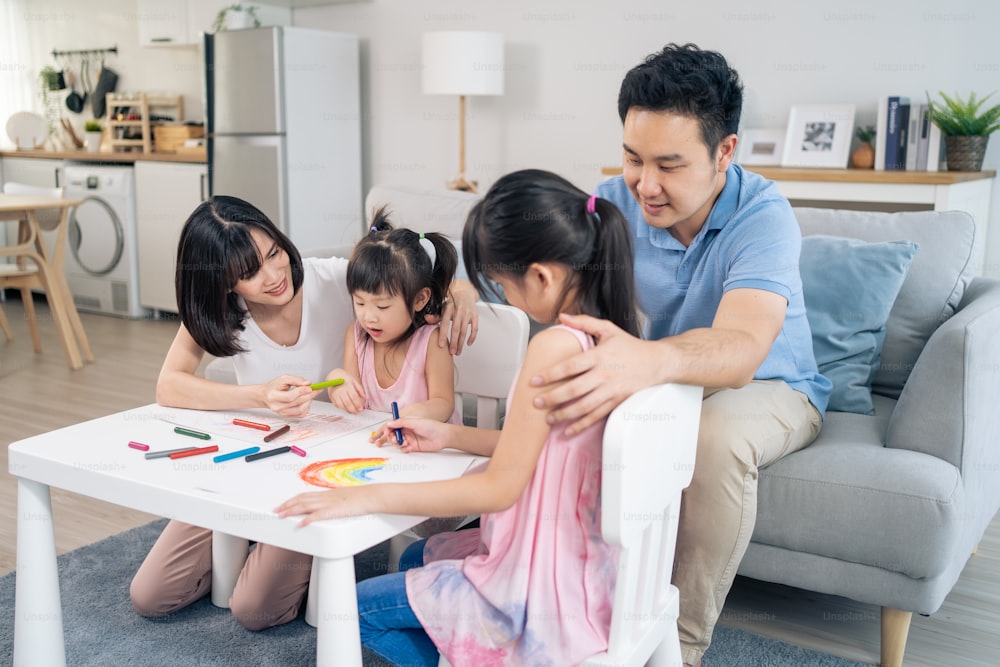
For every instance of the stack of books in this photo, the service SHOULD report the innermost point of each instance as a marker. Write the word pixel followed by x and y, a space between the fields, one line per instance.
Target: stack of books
pixel 905 137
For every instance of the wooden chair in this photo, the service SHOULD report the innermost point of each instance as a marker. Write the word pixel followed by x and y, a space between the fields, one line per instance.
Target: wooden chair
pixel 23 273
pixel 27 273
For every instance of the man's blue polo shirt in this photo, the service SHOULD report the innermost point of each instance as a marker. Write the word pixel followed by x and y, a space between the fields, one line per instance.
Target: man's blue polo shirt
pixel 751 239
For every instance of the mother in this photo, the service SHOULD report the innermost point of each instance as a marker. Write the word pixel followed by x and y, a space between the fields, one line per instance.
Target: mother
pixel 244 292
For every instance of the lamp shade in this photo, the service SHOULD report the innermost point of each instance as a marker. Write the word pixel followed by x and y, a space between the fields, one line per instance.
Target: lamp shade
pixel 458 62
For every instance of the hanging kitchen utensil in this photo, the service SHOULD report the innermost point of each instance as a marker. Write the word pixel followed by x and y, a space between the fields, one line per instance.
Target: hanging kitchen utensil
pixel 106 82
pixel 68 126
pixel 74 101
pixel 85 76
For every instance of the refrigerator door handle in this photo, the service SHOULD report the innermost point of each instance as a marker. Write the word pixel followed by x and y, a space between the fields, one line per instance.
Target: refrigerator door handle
pixel 254 140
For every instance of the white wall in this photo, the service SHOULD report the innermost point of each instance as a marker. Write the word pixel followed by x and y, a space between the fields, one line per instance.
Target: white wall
pixel 565 60
pixel 68 25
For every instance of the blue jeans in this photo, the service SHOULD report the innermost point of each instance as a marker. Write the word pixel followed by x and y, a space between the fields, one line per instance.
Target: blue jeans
pixel 388 625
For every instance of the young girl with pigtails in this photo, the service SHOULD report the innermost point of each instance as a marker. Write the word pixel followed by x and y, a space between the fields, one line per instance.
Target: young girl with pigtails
pixel 535 584
pixel 396 279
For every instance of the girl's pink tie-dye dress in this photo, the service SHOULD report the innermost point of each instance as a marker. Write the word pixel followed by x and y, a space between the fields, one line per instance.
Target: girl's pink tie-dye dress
pixel 538 586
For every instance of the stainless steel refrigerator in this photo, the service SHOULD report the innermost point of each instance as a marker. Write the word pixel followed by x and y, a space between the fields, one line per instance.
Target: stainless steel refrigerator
pixel 283 116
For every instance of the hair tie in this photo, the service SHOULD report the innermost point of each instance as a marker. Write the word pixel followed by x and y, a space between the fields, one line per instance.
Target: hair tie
pixel 592 204
pixel 421 236
pixel 373 229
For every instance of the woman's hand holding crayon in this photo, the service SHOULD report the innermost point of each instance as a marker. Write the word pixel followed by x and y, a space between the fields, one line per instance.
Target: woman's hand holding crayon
pixel 287 395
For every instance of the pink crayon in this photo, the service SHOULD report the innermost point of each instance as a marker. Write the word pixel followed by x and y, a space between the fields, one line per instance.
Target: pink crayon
pixel 297 450
pixel 138 445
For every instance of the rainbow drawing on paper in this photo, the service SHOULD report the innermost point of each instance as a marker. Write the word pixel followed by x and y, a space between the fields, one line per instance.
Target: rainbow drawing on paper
pixel 336 473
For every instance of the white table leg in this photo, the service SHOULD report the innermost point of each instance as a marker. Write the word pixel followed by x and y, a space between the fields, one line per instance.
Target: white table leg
pixel 38 627
pixel 228 556
pixel 338 640
pixel 312 597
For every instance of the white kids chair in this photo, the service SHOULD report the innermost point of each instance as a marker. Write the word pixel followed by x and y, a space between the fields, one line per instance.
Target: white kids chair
pixel 648 459
pixel 649 451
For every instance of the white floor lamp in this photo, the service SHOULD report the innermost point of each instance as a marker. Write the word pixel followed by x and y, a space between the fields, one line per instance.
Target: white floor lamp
pixel 462 63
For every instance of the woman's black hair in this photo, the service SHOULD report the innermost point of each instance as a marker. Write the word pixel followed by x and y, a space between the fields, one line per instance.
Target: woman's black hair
pixel 534 216
pixel 690 82
pixel 394 262
pixel 215 252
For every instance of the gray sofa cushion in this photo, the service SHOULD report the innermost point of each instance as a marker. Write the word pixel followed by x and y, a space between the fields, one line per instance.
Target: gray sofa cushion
pixel 849 286
pixel 904 521
pixel 937 278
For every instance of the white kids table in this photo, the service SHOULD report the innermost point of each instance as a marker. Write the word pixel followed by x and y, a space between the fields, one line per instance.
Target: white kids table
pixel 235 499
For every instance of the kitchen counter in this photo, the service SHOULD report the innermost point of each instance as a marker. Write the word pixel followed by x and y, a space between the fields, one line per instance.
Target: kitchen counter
pixel 120 157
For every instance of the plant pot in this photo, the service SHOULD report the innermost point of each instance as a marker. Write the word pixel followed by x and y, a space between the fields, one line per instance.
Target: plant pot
pixel 965 153
pixel 94 141
pixel 237 20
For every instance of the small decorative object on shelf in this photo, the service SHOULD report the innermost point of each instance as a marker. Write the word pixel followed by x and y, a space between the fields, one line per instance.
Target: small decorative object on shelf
pixel 95 133
pixel 863 156
pixel 236 17
pixel 818 136
pixel 966 129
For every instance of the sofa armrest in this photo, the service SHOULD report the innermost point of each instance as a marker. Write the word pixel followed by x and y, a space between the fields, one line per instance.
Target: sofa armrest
pixel 947 408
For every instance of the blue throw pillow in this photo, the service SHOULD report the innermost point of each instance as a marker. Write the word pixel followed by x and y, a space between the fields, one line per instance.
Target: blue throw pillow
pixel 849 288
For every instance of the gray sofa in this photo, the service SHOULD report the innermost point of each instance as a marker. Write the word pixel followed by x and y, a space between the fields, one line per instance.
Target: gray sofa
pixel 886 508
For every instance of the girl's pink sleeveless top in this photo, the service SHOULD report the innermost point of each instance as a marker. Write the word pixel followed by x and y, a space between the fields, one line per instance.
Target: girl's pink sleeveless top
pixel 410 386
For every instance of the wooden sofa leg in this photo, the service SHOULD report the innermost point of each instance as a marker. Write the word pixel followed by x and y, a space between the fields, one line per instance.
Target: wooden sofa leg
pixel 895 629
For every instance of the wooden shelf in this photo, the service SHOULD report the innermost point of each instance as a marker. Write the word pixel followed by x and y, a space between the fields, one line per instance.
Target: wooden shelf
pixel 857 175
pixel 144 103
pixel 871 175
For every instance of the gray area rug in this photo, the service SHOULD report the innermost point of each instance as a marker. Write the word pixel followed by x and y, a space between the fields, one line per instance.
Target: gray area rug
pixel 102 630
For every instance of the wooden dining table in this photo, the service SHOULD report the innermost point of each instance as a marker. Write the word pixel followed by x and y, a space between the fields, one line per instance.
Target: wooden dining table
pixel 31 246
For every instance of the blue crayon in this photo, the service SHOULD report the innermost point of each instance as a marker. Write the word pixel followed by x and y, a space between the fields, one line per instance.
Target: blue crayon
pixel 235 455
pixel 399 431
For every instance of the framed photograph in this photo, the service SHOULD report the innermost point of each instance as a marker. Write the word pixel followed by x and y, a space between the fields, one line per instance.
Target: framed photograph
pixel 760 147
pixel 819 136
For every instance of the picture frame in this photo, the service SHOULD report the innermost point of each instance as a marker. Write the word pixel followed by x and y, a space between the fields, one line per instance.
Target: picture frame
pixel 818 135
pixel 759 147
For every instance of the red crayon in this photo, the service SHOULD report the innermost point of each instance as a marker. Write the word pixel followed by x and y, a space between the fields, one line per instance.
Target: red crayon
pixel 195 452
pixel 250 424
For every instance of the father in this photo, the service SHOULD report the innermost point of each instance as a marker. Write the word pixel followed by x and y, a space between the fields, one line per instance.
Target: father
pixel 717 252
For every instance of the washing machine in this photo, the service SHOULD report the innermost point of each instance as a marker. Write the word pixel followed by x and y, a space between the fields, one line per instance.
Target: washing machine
pixel 101 263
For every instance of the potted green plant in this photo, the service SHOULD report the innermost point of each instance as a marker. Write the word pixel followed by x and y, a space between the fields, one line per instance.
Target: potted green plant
pixel 94 131
pixel 235 17
pixel 966 127
pixel 48 84
pixel 863 156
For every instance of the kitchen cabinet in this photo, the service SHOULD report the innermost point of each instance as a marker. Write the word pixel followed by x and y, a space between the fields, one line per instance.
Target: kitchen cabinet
pixel 165 195
pixel 182 22
pixel 163 22
pixel 44 173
